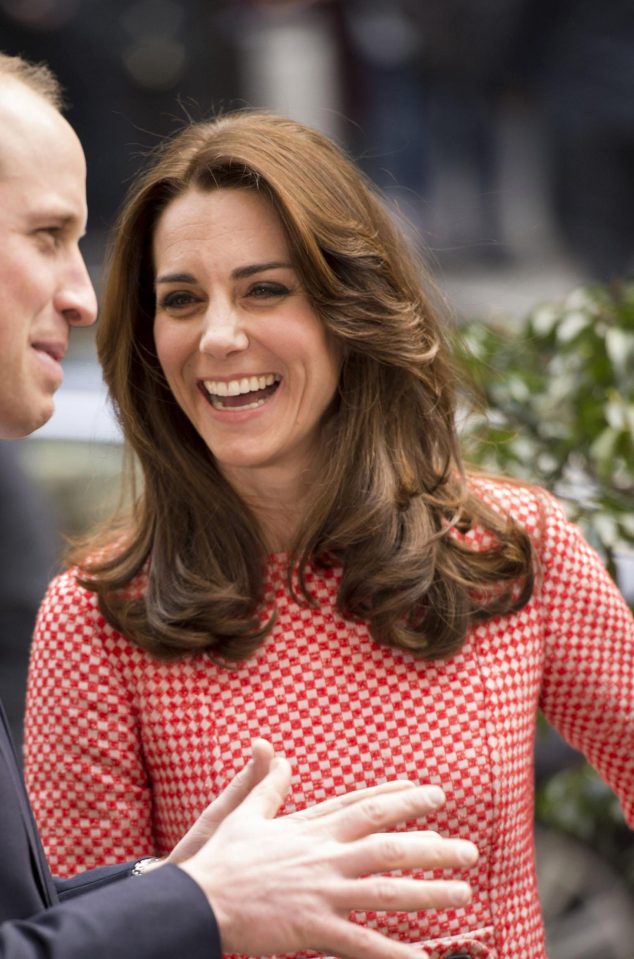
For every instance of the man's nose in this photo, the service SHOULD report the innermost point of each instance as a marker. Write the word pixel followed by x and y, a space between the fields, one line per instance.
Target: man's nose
pixel 76 299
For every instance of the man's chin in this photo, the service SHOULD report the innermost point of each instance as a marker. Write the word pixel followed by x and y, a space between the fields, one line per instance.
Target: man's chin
pixel 17 424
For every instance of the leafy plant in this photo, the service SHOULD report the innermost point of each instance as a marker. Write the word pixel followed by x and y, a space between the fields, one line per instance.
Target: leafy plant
pixel 558 398
pixel 557 408
pixel 577 802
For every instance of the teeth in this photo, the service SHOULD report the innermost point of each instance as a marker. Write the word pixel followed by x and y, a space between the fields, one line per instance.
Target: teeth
pixel 248 384
pixel 218 404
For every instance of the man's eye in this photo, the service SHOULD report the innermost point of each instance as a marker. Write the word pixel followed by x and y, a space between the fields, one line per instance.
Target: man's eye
pixel 50 234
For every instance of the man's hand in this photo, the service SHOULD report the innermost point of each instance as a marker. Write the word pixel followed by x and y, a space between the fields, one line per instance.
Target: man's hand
pixel 228 800
pixel 288 884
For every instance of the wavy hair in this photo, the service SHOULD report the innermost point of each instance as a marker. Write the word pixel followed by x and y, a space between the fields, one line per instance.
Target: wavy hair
pixel 392 504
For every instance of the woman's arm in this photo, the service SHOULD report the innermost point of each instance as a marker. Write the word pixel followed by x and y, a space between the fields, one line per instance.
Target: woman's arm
pixel 83 757
pixel 588 684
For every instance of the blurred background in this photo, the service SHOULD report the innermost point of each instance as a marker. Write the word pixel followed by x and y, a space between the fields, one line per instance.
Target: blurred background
pixel 502 135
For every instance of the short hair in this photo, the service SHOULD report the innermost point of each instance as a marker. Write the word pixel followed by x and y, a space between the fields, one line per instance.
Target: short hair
pixel 37 77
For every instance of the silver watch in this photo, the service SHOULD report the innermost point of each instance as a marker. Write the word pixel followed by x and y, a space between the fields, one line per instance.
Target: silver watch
pixel 143 865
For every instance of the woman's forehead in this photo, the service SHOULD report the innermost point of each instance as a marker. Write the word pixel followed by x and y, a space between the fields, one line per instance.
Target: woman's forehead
pixel 223 223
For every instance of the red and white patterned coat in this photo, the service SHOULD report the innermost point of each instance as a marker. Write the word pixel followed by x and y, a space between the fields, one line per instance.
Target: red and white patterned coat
pixel 123 751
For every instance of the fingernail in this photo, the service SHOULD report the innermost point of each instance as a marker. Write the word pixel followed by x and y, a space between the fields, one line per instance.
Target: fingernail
pixel 460 894
pixel 435 795
pixel 467 854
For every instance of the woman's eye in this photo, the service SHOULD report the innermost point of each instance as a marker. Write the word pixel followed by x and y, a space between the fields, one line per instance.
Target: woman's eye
pixel 263 290
pixel 177 300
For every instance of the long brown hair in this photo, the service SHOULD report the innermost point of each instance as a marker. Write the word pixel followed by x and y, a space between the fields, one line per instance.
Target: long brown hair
pixel 392 503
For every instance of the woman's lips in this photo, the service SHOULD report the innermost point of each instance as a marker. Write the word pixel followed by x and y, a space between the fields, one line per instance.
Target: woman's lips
pixel 240 393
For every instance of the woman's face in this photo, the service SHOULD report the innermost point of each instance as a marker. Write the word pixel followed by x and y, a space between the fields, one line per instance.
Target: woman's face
pixel 243 350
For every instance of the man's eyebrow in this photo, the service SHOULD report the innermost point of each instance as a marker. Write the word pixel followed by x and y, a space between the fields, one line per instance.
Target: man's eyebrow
pixel 240 273
pixel 61 216
pixel 64 219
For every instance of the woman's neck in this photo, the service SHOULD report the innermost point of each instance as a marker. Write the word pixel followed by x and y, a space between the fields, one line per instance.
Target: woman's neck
pixel 277 500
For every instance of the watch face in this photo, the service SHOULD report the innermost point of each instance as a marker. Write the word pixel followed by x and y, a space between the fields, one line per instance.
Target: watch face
pixel 145 865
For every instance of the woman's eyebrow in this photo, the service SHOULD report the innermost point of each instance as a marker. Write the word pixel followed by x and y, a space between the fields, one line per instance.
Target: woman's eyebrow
pixel 175 278
pixel 240 273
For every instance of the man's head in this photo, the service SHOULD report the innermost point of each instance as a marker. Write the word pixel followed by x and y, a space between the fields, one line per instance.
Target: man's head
pixel 44 285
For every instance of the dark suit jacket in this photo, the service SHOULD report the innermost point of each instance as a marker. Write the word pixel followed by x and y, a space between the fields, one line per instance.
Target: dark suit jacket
pixel 102 913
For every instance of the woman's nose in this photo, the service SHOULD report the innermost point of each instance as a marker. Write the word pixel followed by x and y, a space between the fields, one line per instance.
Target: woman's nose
pixel 223 333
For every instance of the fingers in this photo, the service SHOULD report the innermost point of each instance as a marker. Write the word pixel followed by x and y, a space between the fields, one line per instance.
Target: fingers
pixel 348 940
pixel 396 894
pixel 229 799
pixel 336 803
pixel 380 812
pixel 258 789
pixel 261 756
pixel 266 798
pixel 241 784
pixel 405 850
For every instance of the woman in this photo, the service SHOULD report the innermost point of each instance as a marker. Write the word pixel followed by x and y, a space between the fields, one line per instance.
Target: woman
pixel 308 560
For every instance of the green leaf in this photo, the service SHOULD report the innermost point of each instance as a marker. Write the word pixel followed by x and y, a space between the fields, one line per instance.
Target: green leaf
pixel 571 325
pixel 559 388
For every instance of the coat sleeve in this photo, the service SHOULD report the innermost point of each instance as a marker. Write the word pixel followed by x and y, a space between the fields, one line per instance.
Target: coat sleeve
pixel 158 916
pixel 85 882
pixel 84 762
pixel 588 680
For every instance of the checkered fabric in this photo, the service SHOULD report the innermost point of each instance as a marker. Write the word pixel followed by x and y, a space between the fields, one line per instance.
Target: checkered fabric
pixel 123 751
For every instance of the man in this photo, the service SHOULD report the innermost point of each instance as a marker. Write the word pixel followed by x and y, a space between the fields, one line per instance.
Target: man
pixel 241 880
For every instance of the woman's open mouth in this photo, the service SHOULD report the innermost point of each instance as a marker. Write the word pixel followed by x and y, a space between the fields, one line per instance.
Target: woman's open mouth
pixel 245 393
